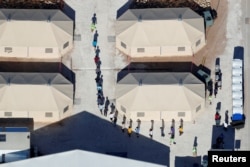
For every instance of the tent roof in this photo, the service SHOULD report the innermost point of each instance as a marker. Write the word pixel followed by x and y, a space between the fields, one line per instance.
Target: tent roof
pixel 53 15
pixel 34 27
pixel 159 27
pixel 158 14
pixel 160 91
pixel 78 158
pixel 34 91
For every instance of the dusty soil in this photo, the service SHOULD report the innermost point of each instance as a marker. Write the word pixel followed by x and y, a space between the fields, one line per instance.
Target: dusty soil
pixel 215 36
pixel 31 4
pixel 138 4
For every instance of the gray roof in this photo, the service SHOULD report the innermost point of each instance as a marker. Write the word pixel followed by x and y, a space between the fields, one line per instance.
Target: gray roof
pixel 56 80
pixel 53 15
pixel 158 14
pixel 185 79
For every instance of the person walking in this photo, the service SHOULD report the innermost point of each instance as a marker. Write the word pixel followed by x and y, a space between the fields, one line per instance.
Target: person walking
pixel 194 151
pixel 111 115
pixel 172 130
pixel 172 135
pixel 99 99
pixel 123 126
pixel 172 139
pixel 217 118
pixel 99 80
pixel 99 63
pixel 92 27
pixel 93 23
pixel 106 106
pixel 215 92
pixel 129 131
pixel 107 102
pixel 106 112
pixel 98 72
pixel 225 125
pixel 112 107
pixel 210 99
pixel 137 131
pixel 181 122
pixel 151 133
pixel 94 19
pixel 180 130
pixel 96 59
pixel 100 106
pixel 97 51
pixel 94 43
pixel 115 121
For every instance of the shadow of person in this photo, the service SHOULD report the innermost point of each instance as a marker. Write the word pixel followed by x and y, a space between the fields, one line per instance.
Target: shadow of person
pixel 94 19
pixel 195 141
pixel 97 51
pixel 226 117
pixel 96 36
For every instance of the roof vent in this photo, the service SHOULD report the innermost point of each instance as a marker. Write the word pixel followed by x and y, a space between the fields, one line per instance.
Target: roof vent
pixel 140 82
pixel 140 18
pixel 8 82
pixel 9 17
pixel 180 82
pixel 49 82
pixel 49 18
pixel 180 17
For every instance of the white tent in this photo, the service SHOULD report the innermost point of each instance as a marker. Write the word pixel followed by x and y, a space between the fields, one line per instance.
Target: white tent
pixel 157 96
pixel 45 97
pixel 77 158
pixel 160 32
pixel 35 33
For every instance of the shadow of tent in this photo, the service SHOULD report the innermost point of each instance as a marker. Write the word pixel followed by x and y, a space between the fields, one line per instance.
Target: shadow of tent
pixel 187 161
pixel 205 69
pixel 17 122
pixel 123 8
pixel 157 67
pixel 70 12
pixel 229 137
pixel 88 132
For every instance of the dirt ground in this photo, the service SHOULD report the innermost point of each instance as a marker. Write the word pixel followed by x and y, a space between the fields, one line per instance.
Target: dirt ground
pixel 31 4
pixel 215 37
